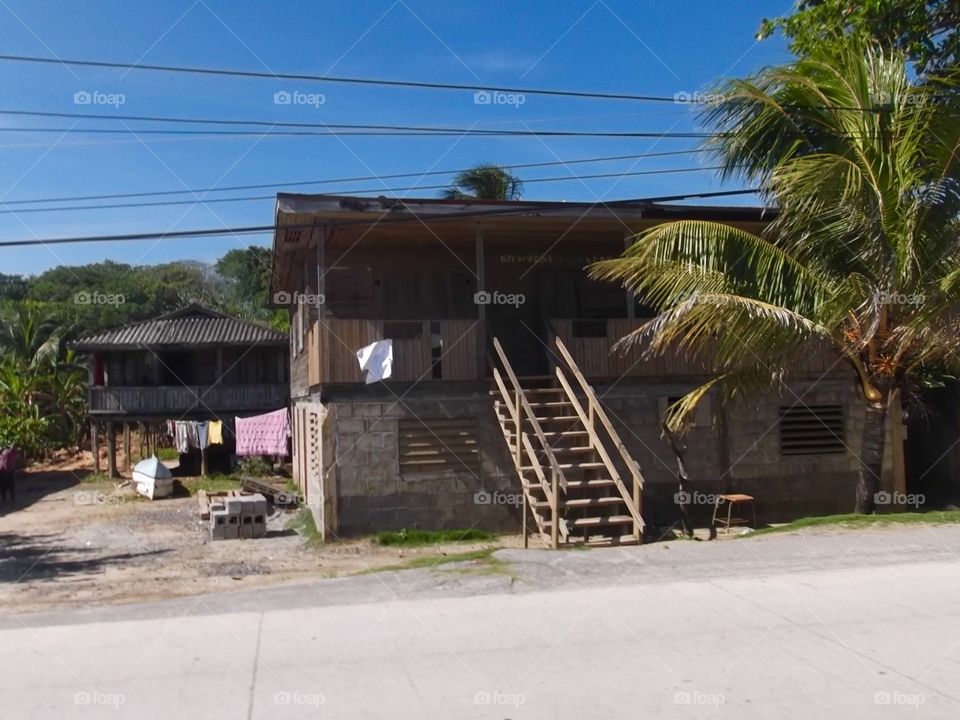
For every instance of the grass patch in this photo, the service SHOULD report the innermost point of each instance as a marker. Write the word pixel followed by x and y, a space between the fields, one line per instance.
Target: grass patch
pixel 211 483
pixel 305 526
pixel 858 521
pixel 95 478
pixel 489 565
pixel 417 538
pixel 167 453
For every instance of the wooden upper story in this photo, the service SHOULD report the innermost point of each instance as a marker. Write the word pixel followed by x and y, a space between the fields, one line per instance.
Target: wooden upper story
pixel 193 363
pixel 442 278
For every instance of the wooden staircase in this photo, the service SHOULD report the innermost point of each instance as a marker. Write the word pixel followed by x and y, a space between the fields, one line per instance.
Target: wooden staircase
pixel 569 459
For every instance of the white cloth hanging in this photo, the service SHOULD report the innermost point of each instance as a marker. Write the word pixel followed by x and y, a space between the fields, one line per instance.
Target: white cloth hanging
pixel 376 360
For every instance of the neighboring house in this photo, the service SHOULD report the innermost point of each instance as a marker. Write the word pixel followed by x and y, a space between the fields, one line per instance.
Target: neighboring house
pixel 434 446
pixel 192 364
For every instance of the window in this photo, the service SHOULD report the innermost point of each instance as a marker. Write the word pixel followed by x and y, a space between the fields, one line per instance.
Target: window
pixel 813 430
pixel 437 445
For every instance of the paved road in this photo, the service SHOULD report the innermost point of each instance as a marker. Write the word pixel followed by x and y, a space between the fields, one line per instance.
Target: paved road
pixel 863 625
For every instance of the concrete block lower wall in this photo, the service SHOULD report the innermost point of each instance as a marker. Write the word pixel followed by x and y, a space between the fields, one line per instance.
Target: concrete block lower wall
pixel 731 449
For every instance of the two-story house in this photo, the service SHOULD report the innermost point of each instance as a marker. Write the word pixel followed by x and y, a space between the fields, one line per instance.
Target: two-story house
pixel 506 405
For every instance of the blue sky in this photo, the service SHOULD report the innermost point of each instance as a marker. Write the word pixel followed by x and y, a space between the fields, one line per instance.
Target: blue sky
pixel 645 47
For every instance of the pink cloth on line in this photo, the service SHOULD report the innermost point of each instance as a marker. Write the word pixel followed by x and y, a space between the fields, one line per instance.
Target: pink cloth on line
pixel 263 434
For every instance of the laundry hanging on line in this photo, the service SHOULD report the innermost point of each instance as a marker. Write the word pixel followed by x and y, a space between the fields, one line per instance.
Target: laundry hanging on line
pixel 263 434
pixel 215 432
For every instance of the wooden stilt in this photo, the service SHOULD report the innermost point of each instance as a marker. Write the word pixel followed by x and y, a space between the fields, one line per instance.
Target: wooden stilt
pixel 126 447
pixel 112 451
pixel 95 446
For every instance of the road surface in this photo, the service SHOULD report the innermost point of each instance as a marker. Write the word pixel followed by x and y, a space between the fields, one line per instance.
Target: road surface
pixel 854 625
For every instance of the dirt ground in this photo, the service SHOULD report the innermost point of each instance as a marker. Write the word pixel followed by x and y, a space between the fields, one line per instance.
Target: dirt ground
pixel 70 543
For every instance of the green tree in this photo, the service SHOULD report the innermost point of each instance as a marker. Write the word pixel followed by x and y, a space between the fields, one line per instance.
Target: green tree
pixel 926 30
pixel 863 256
pixel 485 182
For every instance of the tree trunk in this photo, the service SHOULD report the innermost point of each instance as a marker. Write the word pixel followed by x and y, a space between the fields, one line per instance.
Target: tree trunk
pixel 871 456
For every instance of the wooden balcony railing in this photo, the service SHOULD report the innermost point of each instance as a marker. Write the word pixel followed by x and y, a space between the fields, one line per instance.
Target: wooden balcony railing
pixel 179 399
pixel 590 343
pixel 423 350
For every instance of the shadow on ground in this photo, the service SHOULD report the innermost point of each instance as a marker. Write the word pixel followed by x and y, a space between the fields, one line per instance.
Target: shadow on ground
pixel 32 487
pixel 44 557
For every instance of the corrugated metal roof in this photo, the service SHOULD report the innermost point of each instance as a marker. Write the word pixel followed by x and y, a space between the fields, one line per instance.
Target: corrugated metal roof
pixel 192 326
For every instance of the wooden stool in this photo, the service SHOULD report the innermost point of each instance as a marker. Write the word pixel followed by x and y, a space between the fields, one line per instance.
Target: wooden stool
pixel 731 500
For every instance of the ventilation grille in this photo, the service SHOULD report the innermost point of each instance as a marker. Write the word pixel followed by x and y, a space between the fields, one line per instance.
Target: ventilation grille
pixel 292 236
pixel 438 445
pixel 813 430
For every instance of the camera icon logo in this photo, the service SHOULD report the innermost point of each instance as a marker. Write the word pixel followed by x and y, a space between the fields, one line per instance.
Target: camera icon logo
pixel 82 97
pixel 282 297
pixel 482 497
pixel 682 498
pixel 482 298
pixel 682 97
pixel 282 97
pixel 482 97
pixel 882 498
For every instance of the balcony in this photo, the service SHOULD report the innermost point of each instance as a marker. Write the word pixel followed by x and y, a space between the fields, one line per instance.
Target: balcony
pixel 423 350
pixel 182 400
pixel 591 342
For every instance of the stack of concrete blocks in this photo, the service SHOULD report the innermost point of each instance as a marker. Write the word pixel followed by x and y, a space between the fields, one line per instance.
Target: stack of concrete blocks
pixel 238 516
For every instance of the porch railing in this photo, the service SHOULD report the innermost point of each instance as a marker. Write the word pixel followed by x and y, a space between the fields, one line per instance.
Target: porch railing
pixel 423 350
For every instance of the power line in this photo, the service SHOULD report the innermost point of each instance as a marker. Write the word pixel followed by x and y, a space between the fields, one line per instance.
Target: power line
pixel 327 128
pixel 203 201
pixel 360 178
pixel 539 207
pixel 681 98
pixel 229 72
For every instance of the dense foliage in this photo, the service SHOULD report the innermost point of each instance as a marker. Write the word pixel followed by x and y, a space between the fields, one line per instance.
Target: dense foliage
pixel 42 382
pixel 925 30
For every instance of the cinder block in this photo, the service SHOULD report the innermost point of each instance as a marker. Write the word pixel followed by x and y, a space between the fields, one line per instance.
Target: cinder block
pixel 218 524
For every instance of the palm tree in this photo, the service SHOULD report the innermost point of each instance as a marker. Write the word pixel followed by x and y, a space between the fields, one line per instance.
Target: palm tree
pixel 31 336
pixel 485 182
pixel 863 255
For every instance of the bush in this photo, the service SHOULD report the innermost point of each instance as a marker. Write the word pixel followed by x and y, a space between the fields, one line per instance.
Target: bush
pixel 254 466
pixel 26 430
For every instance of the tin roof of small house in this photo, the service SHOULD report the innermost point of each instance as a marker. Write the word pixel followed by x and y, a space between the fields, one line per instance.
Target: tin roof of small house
pixel 192 326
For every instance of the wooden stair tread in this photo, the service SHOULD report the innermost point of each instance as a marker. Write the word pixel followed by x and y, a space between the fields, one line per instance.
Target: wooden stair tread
pixel 596 521
pixel 570 466
pixel 583 502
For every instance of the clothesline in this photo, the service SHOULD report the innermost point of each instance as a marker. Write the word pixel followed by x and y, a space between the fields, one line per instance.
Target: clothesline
pixel 264 434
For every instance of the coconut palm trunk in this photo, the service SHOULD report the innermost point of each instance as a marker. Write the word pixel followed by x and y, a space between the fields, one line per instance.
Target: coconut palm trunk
pixel 871 456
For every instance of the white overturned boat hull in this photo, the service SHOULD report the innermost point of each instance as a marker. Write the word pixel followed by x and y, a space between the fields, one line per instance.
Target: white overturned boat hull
pixel 152 480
